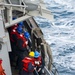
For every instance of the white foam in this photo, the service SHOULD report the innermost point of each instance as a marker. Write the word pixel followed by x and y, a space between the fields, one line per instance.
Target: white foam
pixel 62 36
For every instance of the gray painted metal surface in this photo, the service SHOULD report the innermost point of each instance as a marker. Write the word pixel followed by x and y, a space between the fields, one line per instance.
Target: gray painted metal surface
pixel 2 33
pixel 31 4
pixel 13 1
pixel 4 51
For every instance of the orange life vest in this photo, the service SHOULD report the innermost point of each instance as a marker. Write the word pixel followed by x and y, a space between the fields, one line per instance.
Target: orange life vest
pixel 38 61
pixel 18 36
pixel 14 26
pixel 13 32
pixel 1 69
pixel 26 61
pixel 25 42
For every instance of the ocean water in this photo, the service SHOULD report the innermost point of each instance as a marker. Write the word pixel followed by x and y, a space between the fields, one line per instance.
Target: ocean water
pixel 60 34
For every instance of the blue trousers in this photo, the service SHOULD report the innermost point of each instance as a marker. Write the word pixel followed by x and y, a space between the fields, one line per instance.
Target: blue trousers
pixel 26 73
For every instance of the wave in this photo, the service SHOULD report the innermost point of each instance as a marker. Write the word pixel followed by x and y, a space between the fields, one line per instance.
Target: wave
pixel 60 34
pixel 67 3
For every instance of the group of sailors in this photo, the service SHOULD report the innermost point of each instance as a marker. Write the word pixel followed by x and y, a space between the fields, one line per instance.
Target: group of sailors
pixel 28 61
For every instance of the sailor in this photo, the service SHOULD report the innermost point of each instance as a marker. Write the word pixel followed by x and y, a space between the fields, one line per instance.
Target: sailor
pixel 13 39
pixel 16 25
pixel 27 36
pixel 22 50
pixel 28 64
pixel 20 43
pixel 39 63
pixel 21 40
pixel 14 32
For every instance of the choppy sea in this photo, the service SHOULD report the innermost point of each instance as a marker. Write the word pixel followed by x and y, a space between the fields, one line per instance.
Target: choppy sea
pixel 60 34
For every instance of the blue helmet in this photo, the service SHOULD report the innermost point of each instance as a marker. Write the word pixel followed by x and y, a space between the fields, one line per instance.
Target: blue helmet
pixel 14 18
pixel 37 54
pixel 21 24
pixel 19 29
pixel 27 35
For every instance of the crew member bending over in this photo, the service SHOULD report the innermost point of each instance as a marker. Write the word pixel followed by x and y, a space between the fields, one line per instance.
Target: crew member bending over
pixel 39 63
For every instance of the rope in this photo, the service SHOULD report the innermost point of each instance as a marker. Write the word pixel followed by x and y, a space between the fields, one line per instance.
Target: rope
pixel 56 71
